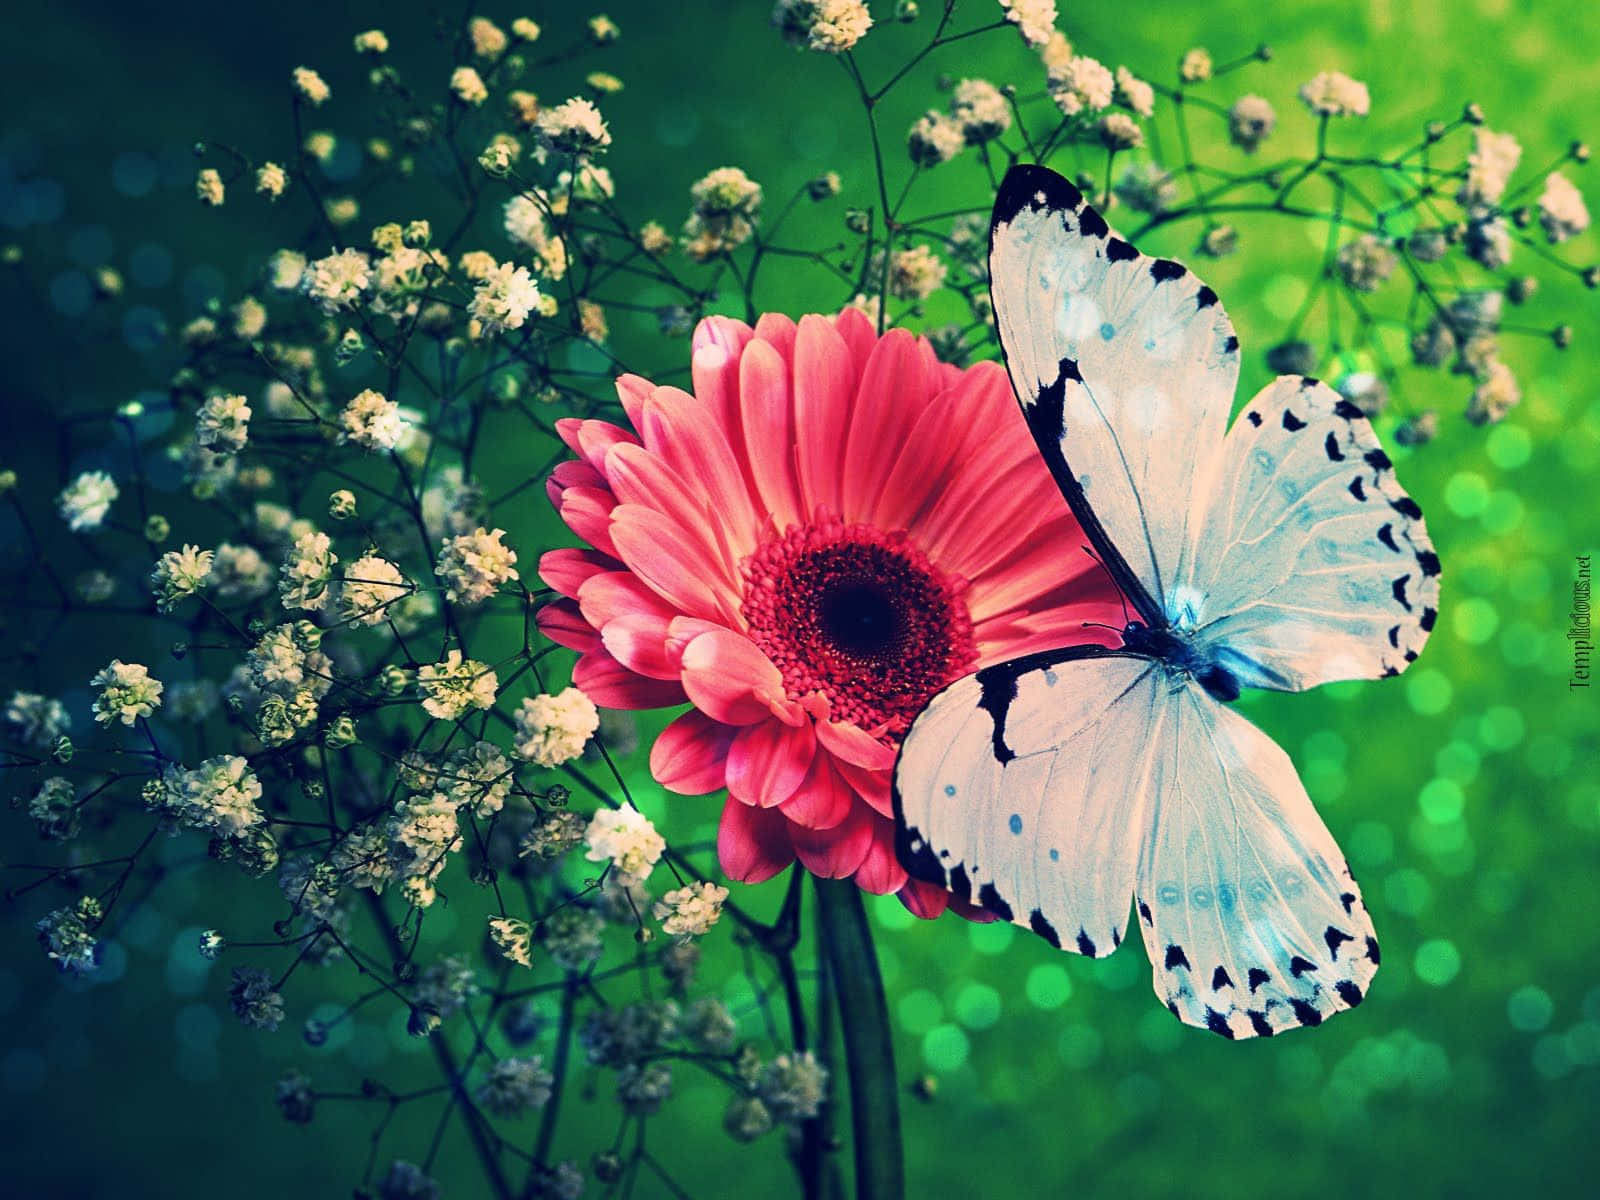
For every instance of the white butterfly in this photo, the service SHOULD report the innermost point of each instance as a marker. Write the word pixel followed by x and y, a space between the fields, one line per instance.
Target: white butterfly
pixel 1280 553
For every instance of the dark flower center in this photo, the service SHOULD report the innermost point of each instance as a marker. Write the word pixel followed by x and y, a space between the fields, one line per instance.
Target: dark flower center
pixel 862 617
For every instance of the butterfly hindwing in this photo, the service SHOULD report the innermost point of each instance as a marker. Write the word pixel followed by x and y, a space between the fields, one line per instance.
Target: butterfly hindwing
pixel 1125 367
pixel 1312 565
pixel 1020 789
pixel 1250 918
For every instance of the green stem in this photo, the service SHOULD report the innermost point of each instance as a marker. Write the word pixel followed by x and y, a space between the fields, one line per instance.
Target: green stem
pixel 869 1052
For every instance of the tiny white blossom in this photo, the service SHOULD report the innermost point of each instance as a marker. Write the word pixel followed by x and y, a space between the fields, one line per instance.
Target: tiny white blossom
pixel 271 180
pixel 39 720
pixel 1034 19
pixel 84 502
pixel 1251 121
pixel 454 685
pixel 220 795
pixel 1335 94
pixel 208 188
pixel 306 572
pixel 513 938
pixel 1135 92
pixel 1562 212
pixel 372 421
pixel 504 298
pixel 1494 156
pixel 1196 65
pixel 223 423
pixel 553 729
pixel 468 86
pixel 573 127
pixel 474 565
pixel 310 86
pixel 180 573
pixel 369 586
pixel 691 911
pixel 286 270
pixel 934 138
pixel 127 692
pixel 372 41
pixel 625 837
pixel 828 26
pixel 1084 84
pixel 338 280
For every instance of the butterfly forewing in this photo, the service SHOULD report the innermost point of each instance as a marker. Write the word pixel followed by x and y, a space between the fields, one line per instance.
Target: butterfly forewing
pixel 1125 367
pixel 1312 564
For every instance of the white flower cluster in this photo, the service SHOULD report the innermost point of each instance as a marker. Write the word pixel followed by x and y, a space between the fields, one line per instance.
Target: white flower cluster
pixel 513 938
pixel 337 281
pixel 284 674
pixel 1081 85
pixel 573 127
pixel 307 572
pixel 128 692
pixel 369 586
pixel 474 565
pixel 691 911
pixel 39 720
pixel 1034 19
pixel 219 795
pixel 1494 157
pixel 827 26
pixel 371 421
pixel 553 729
pixel 223 423
pixel 1335 94
pixel 478 777
pixel 180 573
pixel 454 685
pixel 1562 212
pixel 503 298
pixel 626 838
pixel 514 1085
pixel 85 501
pixel 67 935
pixel 725 202
pixel 423 833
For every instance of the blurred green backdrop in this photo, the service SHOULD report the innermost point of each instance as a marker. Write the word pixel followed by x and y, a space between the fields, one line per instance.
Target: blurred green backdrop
pixel 1464 793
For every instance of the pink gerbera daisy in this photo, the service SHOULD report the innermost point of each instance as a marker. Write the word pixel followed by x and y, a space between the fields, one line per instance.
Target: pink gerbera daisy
pixel 834 526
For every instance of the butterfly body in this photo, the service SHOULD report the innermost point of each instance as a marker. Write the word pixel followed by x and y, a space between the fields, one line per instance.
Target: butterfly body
pixel 1062 789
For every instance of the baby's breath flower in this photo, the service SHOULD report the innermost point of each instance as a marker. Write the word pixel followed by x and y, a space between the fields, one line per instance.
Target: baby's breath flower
pixel 1119 131
pixel 369 586
pixel 915 273
pixel 1562 212
pixel 294 1097
pixel 306 572
pixel 1135 92
pixel 1494 156
pixel 573 127
pixel 726 201
pixel 371 421
pixel 338 280
pixel 642 1088
pixel 1034 19
pixel 1418 430
pixel 39 720
pixel 211 944
pixel 1366 263
pixel 285 270
pixel 208 187
pixel 1488 240
pixel 552 835
pixel 180 573
pixel 423 833
pixel 127 692
pixel 249 319
pixel 54 809
pixel 489 41
pixel 84 502
pixel 691 911
pixel 271 180
pixel 372 41
pixel 603 82
pixel 553 729
pixel 67 935
pixel 525 223
pixel 625 837
pixel 828 26
pixel 1146 187
pixel 341 210
pixel 454 685
pixel 654 240
pixel 309 85
pixel 474 565
pixel 220 795
pixel 513 938
pixel 1251 121
pixel 1196 66
pixel 504 298
pixel 746 1118
pixel 1082 85
pixel 255 1001
pixel 239 572
pixel 614 1037
pixel 934 138
pixel 573 937
pixel 592 321
pixel 468 86
pixel 603 30
pixel 825 186
pixel 478 777
pixel 513 1085
pixel 793 1086
pixel 1335 94
pixel 1495 397
pixel 526 29
pixel 445 986
pixel 407 1181
pixel 342 504
pixel 223 423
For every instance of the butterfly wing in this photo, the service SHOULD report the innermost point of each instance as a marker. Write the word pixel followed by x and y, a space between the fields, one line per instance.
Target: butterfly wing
pixel 1023 788
pixel 1313 564
pixel 1250 918
pixel 1125 367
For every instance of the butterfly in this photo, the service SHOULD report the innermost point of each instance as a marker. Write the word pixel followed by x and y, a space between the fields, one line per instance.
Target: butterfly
pixel 1074 790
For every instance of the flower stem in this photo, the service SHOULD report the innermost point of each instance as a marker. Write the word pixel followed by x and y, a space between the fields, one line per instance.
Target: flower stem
pixel 869 1052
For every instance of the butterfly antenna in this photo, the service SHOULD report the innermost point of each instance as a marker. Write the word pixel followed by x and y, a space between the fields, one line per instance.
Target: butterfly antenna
pixel 1121 599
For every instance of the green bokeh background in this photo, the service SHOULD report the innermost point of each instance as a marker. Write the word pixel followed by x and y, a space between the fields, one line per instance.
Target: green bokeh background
pixel 1464 793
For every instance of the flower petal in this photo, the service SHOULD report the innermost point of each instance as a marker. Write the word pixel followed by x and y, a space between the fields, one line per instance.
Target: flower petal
pixel 675 427
pixel 894 383
pixel 613 594
pixel 572 473
pixel 769 760
pixel 752 843
pixel 673 562
pixel 834 853
pixel 639 642
pixel 683 630
pixel 766 417
pixel 778 331
pixel 567 568
pixel 727 676
pixel 714 366
pixel 611 685
pixel 880 872
pixel 871 786
pixel 925 900
pixel 823 800
pixel 858 332
pixel 633 391
pixel 824 386
pixel 596 438
pixel 587 512
pixel 690 756
pixel 855 745
pixel 564 625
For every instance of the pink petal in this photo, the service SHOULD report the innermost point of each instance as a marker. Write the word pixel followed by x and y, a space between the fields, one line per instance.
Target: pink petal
pixel 639 477
pixel 855 745
pixel 769 760
pixel 714 366
pixel 924 460
pixel 564 625
pixel 880 872
pixel 675 427
pixel 778 331
pixel 752 843
pixel 858 332
pixel 766 418
pixel 893 389
pixel 728 677
pixel 572 473
pixel 633 391
pixel 587 512
pixel 613 594
pixel 824 385
pixel 567 430
pixel 611 685
pixel 925 900
pixel 639 642
pixel 834 853
pixel 566 569
pixel 596 438
pixel 690 755
pixel 824 800
pixel 871 786
pixel 672 561
pixel 683 630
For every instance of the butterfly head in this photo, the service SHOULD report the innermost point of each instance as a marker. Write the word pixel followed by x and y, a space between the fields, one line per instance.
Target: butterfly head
pixel 1181 654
